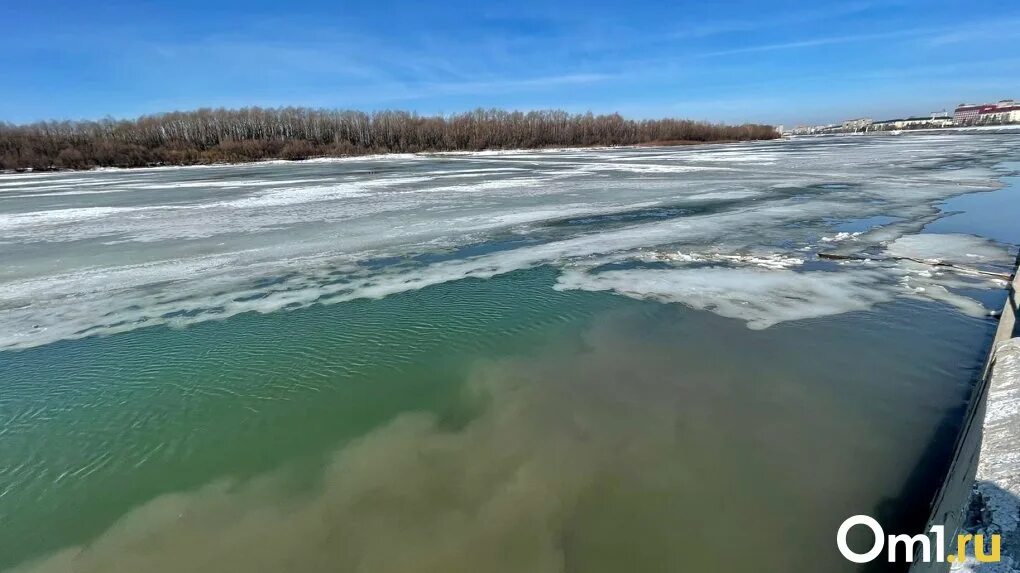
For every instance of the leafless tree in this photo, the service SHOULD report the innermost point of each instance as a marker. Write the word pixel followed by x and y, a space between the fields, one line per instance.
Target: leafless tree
pixel 251 134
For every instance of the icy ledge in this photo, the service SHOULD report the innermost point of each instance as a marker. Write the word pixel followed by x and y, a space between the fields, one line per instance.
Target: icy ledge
pixel 995 505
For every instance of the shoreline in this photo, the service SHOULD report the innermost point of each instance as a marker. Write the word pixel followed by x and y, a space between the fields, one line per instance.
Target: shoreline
pixel 378 156
pixel 1007 129
pixel 980 491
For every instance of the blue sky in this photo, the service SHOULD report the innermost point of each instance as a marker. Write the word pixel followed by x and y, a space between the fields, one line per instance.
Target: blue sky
pixel 733 61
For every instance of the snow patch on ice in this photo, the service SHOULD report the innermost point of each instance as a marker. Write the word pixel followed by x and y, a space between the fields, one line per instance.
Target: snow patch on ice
pixel 759 297
pixel 966 249
pixel 842 236
pixel 768 261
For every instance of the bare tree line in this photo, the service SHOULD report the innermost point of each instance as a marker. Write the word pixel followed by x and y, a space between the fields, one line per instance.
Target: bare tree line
pixel 252 134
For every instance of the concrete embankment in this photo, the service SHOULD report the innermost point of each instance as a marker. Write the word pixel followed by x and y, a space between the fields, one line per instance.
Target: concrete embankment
pixel 981 492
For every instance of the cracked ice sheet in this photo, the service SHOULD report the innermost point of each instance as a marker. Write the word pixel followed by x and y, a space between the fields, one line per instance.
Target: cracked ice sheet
pixel 763 290
pixel 760 297
pixel 964 249
pixel 179 246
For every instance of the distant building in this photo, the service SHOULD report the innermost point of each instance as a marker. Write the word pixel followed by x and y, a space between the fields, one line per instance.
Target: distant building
pixel 968 113
pixel 857 124
pixel 1005 111
pixel 937 119
pixel 1001 114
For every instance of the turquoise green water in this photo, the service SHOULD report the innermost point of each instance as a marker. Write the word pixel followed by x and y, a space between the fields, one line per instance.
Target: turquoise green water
pixel 241 397
pixel 702 437
pixel 583 361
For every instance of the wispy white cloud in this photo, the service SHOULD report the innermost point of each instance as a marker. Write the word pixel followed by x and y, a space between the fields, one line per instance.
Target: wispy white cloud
pixel 812 42
pixel 1003 29
pixel 720 27
pixel 928 36
pixel 412 91
pixel 522 83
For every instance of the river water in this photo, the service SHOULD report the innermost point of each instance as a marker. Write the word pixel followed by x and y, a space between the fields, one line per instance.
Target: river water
pixel 565 360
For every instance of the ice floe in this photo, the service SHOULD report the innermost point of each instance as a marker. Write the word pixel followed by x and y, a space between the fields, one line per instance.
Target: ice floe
pixel 731 230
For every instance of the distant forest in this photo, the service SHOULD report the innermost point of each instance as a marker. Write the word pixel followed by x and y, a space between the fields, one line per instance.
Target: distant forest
pixel 252 134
